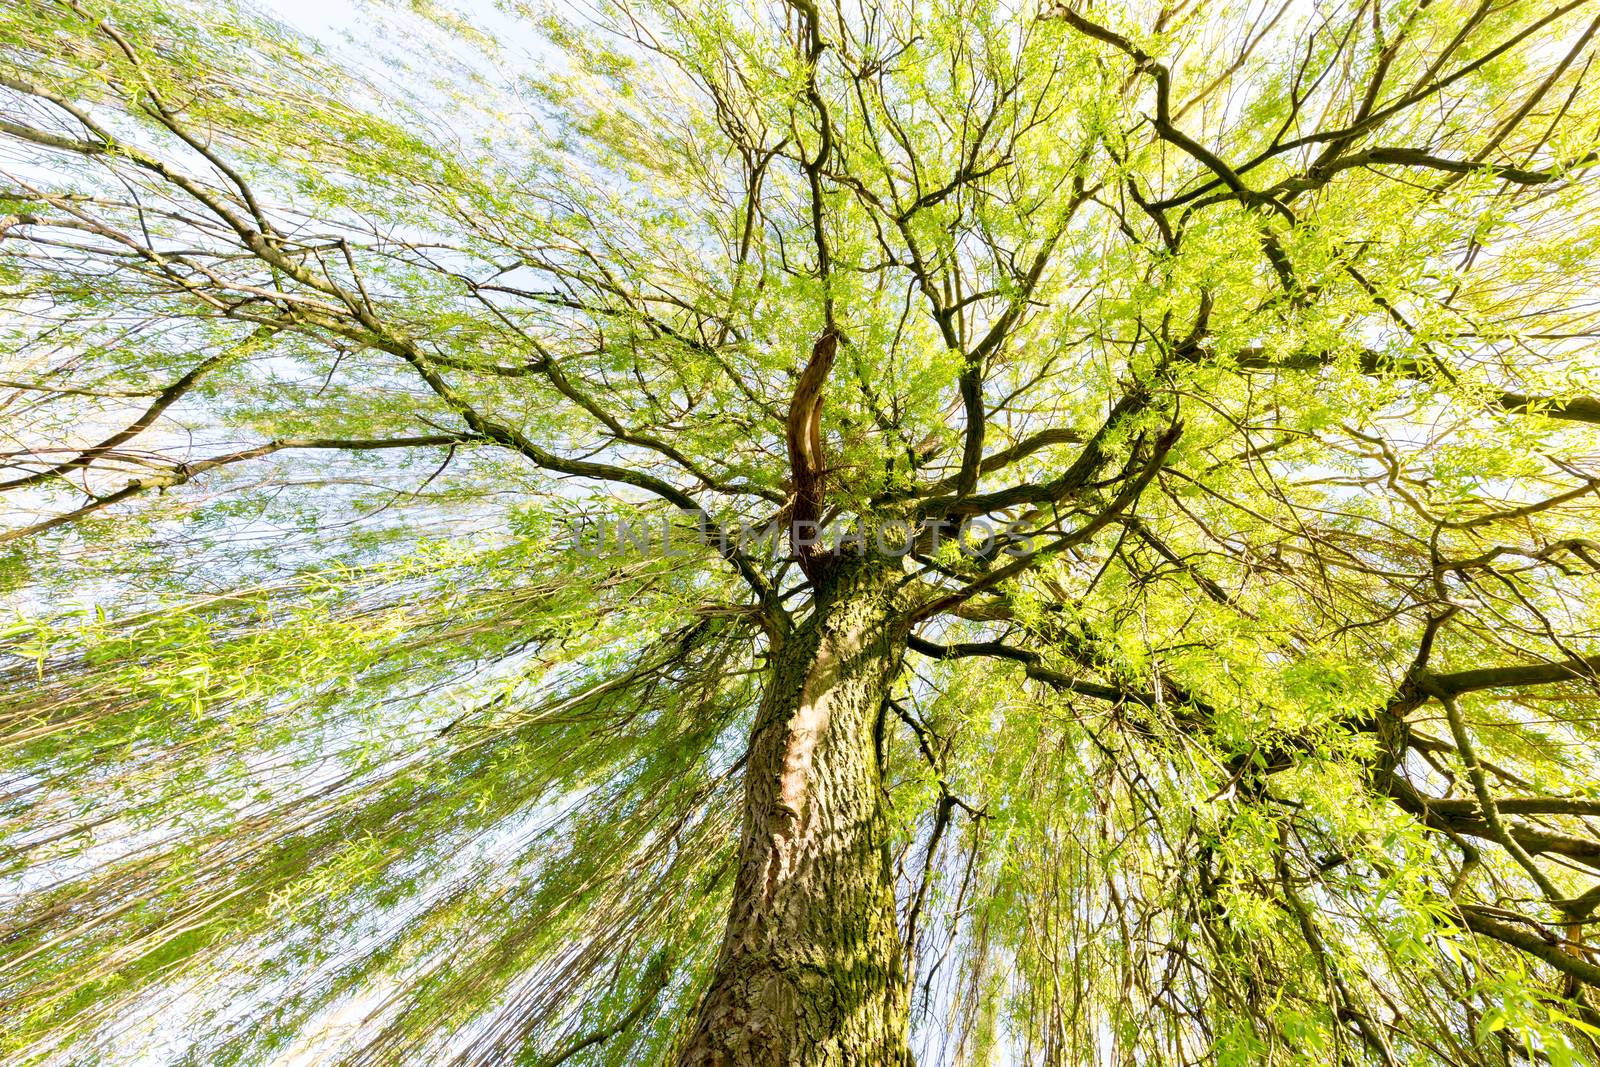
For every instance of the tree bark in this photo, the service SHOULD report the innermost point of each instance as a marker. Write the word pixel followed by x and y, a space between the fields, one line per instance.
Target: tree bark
pixel 810 969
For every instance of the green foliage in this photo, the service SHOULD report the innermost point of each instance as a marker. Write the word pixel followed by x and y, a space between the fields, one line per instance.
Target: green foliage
pixel 319 743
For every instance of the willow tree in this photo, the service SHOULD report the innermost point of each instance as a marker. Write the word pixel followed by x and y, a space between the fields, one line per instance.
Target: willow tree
pixel 1181 424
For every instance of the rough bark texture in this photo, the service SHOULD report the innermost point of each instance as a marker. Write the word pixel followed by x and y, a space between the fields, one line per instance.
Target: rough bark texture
pixel 810 970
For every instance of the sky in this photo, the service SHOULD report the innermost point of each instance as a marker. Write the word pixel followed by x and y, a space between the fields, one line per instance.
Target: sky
pixel 317 17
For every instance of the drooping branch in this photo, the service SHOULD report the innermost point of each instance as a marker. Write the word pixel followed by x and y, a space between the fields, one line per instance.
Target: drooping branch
pixel 180 473
pixel 324 303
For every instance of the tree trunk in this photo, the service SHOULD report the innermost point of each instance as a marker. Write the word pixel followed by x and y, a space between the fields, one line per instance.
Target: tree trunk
pixel 810 969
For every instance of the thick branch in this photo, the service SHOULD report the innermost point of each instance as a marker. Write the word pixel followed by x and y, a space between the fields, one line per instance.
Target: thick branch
pixel 808 471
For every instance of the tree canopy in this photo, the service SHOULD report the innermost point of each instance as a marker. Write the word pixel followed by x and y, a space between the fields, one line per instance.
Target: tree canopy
pixel 1263 329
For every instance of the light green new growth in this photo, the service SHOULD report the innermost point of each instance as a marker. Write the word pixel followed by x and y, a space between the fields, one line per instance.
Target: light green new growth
pixel 1273 322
